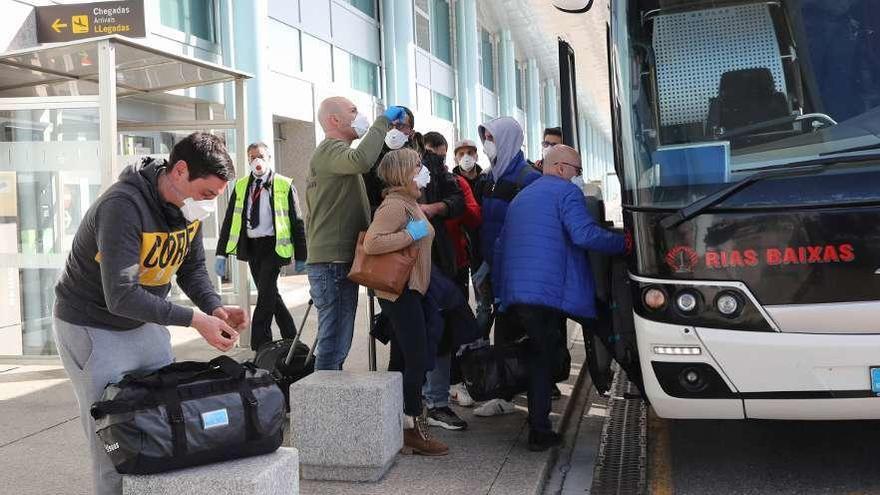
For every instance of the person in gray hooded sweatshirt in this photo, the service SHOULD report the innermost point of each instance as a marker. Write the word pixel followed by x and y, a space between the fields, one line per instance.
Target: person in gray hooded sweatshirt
pixel 502 142
pixel 110 307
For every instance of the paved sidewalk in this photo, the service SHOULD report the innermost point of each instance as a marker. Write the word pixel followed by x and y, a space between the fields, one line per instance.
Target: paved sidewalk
pixel 42 449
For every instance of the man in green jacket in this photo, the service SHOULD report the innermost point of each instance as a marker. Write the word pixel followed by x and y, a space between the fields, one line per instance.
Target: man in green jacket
pixel 336 198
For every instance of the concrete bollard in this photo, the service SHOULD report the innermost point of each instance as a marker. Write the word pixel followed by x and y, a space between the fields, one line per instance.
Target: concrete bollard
pixel 347 425
pixel 272 474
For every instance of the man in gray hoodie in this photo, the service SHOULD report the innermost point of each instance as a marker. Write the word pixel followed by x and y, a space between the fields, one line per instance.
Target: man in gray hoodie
pixel 111 310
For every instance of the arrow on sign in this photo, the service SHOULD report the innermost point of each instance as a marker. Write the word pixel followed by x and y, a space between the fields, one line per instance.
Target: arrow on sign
pixel 57 25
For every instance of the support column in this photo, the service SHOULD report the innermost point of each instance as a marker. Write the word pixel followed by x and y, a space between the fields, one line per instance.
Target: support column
pixel 107 113
pixel 533 108
pixel 241 282
pixel 468 73
pixel 399 55
pixel 251 18
pixel 507 74
pixel 551 104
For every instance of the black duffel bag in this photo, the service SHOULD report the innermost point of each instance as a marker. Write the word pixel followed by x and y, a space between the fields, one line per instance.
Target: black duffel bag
pixel 188 414
pixel 500 372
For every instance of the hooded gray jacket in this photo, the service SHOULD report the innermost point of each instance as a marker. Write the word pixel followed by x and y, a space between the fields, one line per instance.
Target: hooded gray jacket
pixel 127 248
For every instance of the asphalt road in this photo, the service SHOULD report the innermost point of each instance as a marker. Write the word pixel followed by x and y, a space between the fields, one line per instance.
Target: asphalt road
pixel 763 457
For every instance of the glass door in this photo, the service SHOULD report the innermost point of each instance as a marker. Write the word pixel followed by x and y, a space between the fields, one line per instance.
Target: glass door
pixel 49 176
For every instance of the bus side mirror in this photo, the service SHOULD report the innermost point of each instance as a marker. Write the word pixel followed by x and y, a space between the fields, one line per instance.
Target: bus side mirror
pixel 573 6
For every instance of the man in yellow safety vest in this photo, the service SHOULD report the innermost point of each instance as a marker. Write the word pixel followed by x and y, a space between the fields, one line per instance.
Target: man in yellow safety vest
pixel 264 227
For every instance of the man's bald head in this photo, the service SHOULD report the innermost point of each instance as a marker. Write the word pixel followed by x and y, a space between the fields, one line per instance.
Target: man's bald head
pixel 562 161
pixel 335 116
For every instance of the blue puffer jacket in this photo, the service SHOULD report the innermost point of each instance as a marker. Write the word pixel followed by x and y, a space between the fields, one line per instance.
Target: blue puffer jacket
pixel 494 209
pixel 541 255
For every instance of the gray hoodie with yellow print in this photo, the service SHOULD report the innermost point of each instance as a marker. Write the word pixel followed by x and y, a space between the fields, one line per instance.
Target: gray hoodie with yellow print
pixel 127 249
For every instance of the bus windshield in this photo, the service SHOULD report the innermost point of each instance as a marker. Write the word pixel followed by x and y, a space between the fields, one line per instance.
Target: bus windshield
pixel 708 92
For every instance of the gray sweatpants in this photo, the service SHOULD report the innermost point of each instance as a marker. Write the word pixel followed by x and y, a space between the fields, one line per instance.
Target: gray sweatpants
pixel 95 357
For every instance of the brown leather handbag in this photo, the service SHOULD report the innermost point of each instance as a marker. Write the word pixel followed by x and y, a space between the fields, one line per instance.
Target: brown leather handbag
pixel 388 272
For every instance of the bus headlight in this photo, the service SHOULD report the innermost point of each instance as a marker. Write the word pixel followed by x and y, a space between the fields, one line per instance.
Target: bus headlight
pixel 686 302
pixel 654 298
pixel 727 304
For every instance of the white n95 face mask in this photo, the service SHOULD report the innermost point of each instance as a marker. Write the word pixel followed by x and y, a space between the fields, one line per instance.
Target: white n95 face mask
pixel 197 210
pixel 467 163
pixel 395 139
pixel 490 150
pixel 423 178
pixel 360 124
pixel 260 167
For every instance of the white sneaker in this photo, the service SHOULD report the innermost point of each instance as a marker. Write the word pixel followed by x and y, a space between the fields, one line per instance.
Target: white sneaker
pixel 495 407
pixel 459 393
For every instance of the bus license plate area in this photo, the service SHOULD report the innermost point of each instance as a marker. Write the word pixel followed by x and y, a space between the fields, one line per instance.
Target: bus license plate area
pixel 874 372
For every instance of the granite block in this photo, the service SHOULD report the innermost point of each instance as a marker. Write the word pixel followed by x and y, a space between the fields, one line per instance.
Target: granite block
pixel 347 425
pixel 272 474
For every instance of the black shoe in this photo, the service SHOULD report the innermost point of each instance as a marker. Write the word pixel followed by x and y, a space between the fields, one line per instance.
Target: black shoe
pixel 556 394
pixel 540 441
pixel 445 417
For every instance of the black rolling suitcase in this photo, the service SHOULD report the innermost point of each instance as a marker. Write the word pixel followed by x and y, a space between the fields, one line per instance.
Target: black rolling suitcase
pixel 288 360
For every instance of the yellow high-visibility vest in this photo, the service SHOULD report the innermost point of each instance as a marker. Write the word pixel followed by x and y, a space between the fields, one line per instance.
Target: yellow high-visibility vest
pixel 280 192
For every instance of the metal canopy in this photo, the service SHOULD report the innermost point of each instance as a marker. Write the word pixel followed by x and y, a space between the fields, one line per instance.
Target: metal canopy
pixel 72 69
pixel 98 72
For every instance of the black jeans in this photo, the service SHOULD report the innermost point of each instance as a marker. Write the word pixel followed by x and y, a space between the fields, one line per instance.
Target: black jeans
pixel 409 346
pixel 265 269
pixel 541 324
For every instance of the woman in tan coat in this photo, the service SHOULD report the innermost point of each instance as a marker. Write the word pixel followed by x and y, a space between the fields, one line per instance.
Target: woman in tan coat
pixel 398 223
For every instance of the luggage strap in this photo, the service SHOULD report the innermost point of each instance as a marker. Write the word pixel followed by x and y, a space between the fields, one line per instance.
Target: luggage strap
pixel 176 420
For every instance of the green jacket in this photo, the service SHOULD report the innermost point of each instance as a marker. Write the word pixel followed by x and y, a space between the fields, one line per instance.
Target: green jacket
pixel 336 196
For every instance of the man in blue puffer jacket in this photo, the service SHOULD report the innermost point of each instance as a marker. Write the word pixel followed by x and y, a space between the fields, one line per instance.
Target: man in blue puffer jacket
pixel 541 272
pixel 502 142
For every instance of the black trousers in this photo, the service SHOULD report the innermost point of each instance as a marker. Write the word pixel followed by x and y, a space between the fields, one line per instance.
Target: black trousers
pixel 409 346
pixel 541 324
pixel 265 269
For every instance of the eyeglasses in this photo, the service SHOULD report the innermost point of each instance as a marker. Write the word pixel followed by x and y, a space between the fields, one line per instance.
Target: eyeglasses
pixel 547 144
pixel 400 126
pixel 579 170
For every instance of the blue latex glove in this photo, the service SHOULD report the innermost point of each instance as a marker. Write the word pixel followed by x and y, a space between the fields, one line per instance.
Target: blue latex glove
pixel 395 113
pixel 220 266
pixel 417 229
pixel 299 266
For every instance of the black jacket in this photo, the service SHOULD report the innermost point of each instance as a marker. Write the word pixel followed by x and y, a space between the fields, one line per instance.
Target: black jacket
pixel 443 188
pixel 297 227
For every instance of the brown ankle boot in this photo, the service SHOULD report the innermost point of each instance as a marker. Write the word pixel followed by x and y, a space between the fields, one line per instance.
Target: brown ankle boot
pixel 417 440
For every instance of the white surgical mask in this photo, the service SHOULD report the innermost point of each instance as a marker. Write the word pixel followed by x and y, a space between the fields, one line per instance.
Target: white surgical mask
pixel 197 210
pixel 467 163
pixel 423 178
pixel 260 167
pixel 395 139
pixel 360 124
pixel 490 150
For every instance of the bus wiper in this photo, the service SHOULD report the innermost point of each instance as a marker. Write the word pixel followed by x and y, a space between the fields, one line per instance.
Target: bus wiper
pixel 788 170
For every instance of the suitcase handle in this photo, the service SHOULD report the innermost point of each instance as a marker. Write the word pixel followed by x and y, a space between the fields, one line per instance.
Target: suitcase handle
pixel 302 327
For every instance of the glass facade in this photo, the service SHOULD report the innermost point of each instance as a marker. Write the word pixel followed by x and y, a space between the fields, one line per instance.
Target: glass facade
pixel 366 6
pixel 364 76
pixel 487 60
pixel 195 17
pixel 520 87
pixel 443 107
pixel 441 31
pixel 48 179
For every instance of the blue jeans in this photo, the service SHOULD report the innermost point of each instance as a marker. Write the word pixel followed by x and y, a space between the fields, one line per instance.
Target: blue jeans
pixel 336 299
pixel 436 388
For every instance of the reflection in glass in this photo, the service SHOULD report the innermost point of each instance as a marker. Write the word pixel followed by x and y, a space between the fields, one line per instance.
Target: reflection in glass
pixel 49 176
